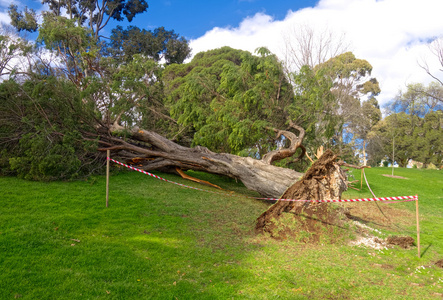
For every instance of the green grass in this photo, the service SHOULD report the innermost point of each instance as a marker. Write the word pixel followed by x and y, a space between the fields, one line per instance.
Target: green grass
pixel 160 241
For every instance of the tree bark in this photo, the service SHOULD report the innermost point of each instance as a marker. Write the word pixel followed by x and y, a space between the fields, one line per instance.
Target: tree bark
pixel 155 152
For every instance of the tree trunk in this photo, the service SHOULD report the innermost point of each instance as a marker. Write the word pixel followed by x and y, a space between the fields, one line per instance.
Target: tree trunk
pixel 364 153
pixel 159 153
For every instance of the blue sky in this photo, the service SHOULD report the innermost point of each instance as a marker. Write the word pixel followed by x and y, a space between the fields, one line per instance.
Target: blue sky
pixel 193 18
pixel 394 36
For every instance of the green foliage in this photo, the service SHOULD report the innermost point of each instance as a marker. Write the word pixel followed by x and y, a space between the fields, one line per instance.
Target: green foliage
pixel 314 106
pixel 418 99
pixel 230 97
pixel 11 48
pixel 23 21
pixel 350 82
pixel 138 94
pixel 412 137
pixel 74 45
pixel 428 139
pixel 56 32
pixel 414 127
pixel 160 43
pixel 98 13
pixel 346 66
pixel 44 119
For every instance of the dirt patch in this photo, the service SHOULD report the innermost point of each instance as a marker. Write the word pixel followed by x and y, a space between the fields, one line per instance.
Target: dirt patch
pixel 439 263
pixel 394 176
pixel 371 241
pixel 404 242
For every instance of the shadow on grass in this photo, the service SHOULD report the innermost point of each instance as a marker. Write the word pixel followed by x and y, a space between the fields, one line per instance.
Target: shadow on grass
pixel 425 250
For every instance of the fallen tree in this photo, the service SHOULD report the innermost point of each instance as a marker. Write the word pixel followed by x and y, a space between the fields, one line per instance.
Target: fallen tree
pixel 154 152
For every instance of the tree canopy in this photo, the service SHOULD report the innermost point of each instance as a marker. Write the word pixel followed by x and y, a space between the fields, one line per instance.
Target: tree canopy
pixel 230 99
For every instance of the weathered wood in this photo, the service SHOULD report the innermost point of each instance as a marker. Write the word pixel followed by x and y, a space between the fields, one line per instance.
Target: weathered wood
pixel 257 175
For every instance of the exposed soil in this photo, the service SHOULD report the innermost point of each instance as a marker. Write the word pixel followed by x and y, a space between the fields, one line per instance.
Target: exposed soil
pixel 394 176
pixel 370 216
pixel 439 263
pixel 404 242
pixel 324 221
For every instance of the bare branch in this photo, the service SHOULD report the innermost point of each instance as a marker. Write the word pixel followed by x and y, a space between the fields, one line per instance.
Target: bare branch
pixel 295 144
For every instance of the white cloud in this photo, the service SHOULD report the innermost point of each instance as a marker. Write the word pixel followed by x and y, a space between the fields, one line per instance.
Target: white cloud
pixel 391 34
pixel 4 18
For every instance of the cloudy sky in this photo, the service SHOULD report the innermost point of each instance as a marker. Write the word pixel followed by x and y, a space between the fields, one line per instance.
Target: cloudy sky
pixel 393 35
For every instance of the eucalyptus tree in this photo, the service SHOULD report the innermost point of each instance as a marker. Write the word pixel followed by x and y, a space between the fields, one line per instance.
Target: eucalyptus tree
pixel 369 117
pixel 428 146
pixel 394 138
pixel 231 98
pixel 418 99
pixel 314 106
pixel 157 45
pixel 25 20
pixel 352 82
pixel 110 89
pixel 93 14
pixel 14 51
pixel 330 95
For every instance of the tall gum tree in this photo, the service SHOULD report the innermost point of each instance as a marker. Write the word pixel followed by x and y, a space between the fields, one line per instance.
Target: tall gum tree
pixel 351 83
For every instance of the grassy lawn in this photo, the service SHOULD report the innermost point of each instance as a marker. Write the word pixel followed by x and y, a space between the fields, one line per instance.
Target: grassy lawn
pixel 161 241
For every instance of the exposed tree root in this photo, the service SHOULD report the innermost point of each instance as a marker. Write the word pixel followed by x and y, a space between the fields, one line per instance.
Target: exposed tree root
pixel 324 180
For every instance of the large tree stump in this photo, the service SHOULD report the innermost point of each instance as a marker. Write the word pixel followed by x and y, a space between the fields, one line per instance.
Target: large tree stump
pixel 324 180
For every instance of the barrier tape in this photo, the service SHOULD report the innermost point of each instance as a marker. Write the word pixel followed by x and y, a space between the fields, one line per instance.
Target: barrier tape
pixel 383 199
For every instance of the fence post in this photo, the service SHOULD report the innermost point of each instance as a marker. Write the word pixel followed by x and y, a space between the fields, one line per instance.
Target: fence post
pixel 361 179
pixel 108 154
pixel 418 225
